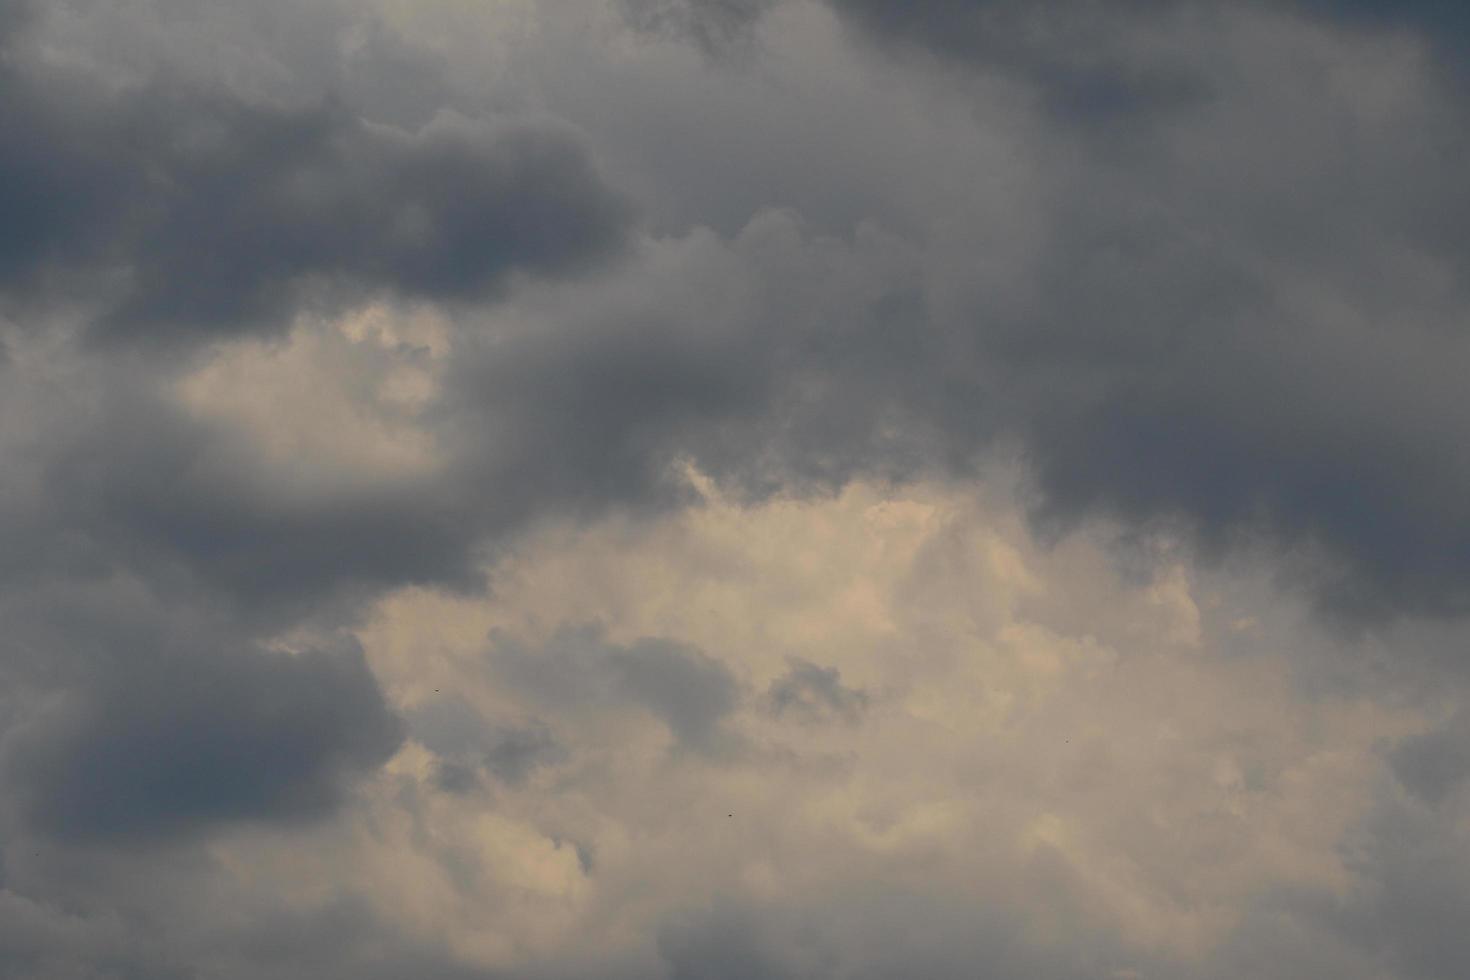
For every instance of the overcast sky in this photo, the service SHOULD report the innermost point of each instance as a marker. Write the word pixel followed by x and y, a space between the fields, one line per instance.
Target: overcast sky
pixel 734 489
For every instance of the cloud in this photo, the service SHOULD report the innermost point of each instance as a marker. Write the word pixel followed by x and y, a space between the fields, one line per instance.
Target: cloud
pixel 136 482
pixel 1435 764
pixel 1441 23
pixel 483 493
pixel 864 936
pixel 1084 58
pixel 161 744
pixel 1408 857
pixel 1167 328
pixel 813 693
pixel 975 27
pixel 13 17
pixel 683 688
pixel 1109 341
pixel 465 741
pixel 985 811
pixel 1029 700
pixel 189 211
pixel 714 25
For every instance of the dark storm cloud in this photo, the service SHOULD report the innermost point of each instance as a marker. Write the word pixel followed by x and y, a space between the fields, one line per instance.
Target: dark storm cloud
pixel 161 743
pixel 1127 380
pixel 1445 24
pixel 1169 368
pixel 1070 51
pixel 1435 764
pixel 591 414
pixel 777 362
pixel 969 27
pixel 1158 362
pixel 1229 325
pixel 266 202
pixel 554 423
pixel 131 484
pixel 1242 322
pixel 1149 363
pixel 189 211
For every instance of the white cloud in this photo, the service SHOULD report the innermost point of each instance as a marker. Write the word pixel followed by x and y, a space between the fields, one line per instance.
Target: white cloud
pixel 1167 790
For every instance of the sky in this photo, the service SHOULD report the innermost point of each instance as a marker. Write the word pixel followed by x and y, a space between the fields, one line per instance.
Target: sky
pixel 734 490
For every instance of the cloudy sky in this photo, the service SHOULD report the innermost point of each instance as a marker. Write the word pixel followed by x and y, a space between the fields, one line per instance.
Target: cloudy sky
pixel 734 489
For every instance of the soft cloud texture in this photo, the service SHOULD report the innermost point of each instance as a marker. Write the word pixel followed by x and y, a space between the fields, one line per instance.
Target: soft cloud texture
pixel 692 489
pixel 195 211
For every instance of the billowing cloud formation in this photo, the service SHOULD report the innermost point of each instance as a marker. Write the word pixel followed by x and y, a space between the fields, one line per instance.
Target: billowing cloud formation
pixel 169 741
pixel 726 488
pixel 1209 295
pixel 1019 794
pixel 209 214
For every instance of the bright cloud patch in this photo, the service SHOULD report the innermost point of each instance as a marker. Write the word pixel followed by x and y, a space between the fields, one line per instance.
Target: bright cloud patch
pixel 901 713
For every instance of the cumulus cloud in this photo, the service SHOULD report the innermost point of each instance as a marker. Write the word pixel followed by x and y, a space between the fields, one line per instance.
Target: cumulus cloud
pixel 1138 809
pixel 145 724
pixel 183 742
pixel 195 212
pixel 708 489
pixel 1169 269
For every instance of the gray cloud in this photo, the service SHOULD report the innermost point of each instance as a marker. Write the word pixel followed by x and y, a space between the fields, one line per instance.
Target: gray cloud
pixel 1412 877
pixel 161 743
pixel 466 741
pixel 714 25
pixel 1434 765
pixel 812 693
pixel 689 692
pixel 190 211
pixel 1228 322
pixel 1079 55
pixel 13 17
pixel 1195 265
pixel 343 940
pixel 871 935
pixel 1117 359
pixel 1442 23
pixel 971 26
pixel 132 483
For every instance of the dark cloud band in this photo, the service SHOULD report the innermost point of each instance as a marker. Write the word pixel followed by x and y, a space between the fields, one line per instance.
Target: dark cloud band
pixel 191 213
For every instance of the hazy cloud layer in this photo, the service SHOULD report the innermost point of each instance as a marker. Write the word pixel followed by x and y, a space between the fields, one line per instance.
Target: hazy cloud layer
pixel 815 694
pixel 733 488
